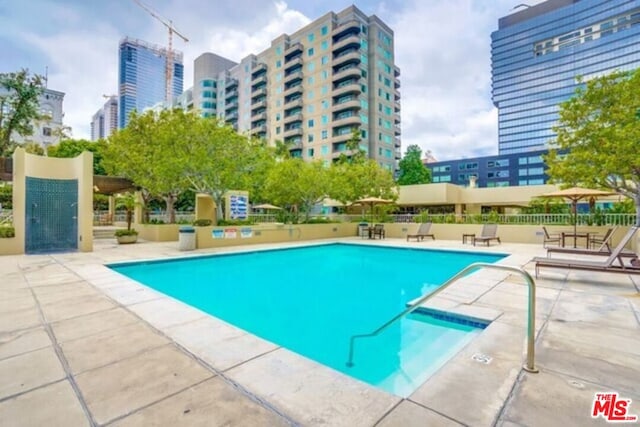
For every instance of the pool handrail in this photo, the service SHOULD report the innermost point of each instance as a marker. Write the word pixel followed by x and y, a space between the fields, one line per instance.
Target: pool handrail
pixel 529 366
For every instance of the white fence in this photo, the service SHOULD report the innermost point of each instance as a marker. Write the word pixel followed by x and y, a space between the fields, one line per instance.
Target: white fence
pixel 6 217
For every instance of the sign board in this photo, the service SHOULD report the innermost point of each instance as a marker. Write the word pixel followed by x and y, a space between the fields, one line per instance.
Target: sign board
pixel 238 206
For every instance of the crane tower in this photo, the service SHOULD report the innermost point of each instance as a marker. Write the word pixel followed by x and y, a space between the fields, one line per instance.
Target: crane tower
pixel 172 30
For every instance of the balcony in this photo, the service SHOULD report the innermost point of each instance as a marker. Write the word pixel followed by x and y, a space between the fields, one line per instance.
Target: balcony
pixel 297 89
pixel 396 71
pixel 397 130
pixel 346 121
pixel 337 138
pixel 258 69
pixel 292 132
pixel 293 118
pixel 231 83
pixel 396 84
pixel 353 88
pixel 396 95
pixel 353 104
pixel 258 93
pixel 352 26
pixel 292 103
pixel 293 77
pixel 262 115
pixel 353 72
pixel 259 128
pixel 260 80
pixel 396 118
pixel 258 105
pixel 289 65
pixel 293 50
pixel 231 94
pixel 231 116
pixel 294 145
pixel 351 41
pixel 349 57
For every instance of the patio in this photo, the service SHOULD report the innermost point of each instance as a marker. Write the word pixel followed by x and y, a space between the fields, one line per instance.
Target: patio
pixel 81 345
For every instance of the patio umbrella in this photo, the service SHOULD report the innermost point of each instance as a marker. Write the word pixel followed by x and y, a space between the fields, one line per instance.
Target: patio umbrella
pixel 372 201
pixel 267 206
pixel 574 194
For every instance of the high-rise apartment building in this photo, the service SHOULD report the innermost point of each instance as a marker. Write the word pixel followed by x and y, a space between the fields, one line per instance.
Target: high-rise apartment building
pixel 312 89
pixel 141 76
pixel 105 120
pixel 539 52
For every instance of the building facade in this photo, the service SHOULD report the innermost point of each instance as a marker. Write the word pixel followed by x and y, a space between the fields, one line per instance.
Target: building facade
pixel 539 53
pixel 312 89
pixel 47 130
pixel 105 121
pixel 504 170
pixel 142 75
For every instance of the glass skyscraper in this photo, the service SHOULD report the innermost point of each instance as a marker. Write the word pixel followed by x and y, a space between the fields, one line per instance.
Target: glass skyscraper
pixel 539 52
pixel 141 79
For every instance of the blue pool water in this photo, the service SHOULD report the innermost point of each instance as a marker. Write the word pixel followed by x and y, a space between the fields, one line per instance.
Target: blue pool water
pixel 311 300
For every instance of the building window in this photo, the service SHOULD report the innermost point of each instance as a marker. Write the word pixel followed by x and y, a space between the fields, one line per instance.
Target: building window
pixel 310 137
pixel 310 123
pixel 323 134
pixel 325 149
pixel 498 163
pixel 278 63
pixel 46 131
pixel 324 30
pixel 310 51
pixel 311 37
pixel 324 60
pixel 277 130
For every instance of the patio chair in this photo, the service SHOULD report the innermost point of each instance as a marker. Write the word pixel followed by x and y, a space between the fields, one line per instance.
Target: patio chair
pixel 602 241
pixel 603 250
pixel 378 230
pixel 487 234
pixel 423 231
pixel 603 266
pixel 549 238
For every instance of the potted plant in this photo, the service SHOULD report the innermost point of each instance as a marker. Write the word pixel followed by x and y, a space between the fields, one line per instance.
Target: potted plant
pixel 128 202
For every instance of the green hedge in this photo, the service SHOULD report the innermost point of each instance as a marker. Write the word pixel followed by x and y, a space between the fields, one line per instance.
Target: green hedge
pixel 6 232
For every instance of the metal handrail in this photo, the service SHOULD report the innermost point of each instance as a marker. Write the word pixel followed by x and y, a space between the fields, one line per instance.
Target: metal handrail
pixel 531 324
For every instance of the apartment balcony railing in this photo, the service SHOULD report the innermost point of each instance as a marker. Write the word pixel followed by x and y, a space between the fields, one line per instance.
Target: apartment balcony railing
pixel 349 26
pixel 351 72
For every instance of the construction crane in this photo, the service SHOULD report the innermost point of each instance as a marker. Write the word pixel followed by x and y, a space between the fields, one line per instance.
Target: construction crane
pixel 172 30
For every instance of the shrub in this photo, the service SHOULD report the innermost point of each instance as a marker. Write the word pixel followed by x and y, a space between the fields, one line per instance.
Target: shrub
pixel 202 222
pixel 156 221
pixel 319 221
pixel 235 222
pixel 6 232
pixel 131 232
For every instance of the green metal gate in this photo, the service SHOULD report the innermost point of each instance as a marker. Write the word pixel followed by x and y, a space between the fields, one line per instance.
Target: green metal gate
pixel 51 215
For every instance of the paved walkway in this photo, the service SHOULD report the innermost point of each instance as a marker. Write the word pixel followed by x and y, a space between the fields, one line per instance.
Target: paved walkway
pixel 82 345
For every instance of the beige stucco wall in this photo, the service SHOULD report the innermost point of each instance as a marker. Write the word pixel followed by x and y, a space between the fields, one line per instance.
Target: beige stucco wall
pixel 80 168
pixel 205 207
pixel 158 232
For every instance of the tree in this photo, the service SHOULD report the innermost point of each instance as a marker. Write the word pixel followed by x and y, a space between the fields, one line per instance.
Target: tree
pixel 355 153
pixel 296 183
pixel 600 128
pixel 19 102
pixel 33 148
pixel 69 148
pixel 412 170
pixel 214 158
pixel 147 152
pixel 352 181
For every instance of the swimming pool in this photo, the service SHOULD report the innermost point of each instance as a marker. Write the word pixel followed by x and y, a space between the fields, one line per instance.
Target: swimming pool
pixel 312 299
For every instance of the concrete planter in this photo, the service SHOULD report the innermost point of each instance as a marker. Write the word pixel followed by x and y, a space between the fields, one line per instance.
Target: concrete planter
pixel 131 238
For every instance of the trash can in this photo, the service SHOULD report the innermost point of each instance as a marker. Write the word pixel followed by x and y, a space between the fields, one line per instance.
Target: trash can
pixel 363 229
pixel 186 238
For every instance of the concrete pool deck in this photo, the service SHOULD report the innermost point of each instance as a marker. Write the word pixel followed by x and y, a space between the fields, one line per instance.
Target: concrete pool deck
pixel 83 345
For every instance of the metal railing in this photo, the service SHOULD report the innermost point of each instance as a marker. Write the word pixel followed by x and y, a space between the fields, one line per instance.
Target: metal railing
pixel 6 217
pixel 531 318
pixel 121 216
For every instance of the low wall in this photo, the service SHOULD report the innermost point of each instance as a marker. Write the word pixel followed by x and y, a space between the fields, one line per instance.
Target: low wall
pixel 215 237
pixel 11 246
pixel 158 232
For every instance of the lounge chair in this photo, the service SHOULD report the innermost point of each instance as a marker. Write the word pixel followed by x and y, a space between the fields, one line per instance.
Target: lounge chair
pixel 423 231
pixel 602 241
pixel 487 234
pixel 549 238
pixel 378 230
pixel 604 266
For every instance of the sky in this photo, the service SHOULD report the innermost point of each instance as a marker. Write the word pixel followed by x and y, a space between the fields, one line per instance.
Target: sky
pixel 443 48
